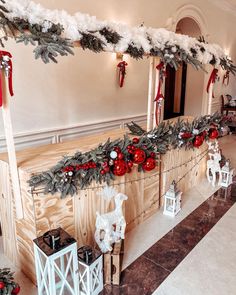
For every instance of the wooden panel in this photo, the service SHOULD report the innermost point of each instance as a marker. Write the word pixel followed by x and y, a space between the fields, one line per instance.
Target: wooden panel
pixel 25 235
pixel 7 213
pixel 51 212
pixel 141 192
pixel 186 160
pixel 87 203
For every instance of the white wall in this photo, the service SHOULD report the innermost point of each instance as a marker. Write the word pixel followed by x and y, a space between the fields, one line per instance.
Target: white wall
pixel 82 89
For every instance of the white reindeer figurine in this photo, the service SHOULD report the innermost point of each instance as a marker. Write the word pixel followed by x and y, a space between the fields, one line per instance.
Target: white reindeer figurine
pixel 110 227
pixel 213 164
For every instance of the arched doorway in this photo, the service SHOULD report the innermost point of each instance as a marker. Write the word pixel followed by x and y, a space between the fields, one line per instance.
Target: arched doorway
pixel 184 87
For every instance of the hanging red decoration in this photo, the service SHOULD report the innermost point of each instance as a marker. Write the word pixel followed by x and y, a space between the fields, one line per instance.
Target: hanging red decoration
pixel 212 79
pixel 213 133
pixel 122 72
pixel 6 64
pixel 139 156
pixel 198 141
pixel 149 164
pixel 226 79
pixel 120 168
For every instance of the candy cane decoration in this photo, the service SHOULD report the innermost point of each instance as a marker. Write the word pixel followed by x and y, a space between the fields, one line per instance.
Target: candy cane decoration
pixel 212 80
pixel 122 72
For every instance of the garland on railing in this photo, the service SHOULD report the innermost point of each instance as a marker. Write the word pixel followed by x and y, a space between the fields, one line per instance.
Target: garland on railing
pixel 53 33
pixel 118 157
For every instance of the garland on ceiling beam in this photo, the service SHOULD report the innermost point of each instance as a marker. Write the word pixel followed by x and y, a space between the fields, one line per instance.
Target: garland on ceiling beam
pixel 54 32
pixel 116 158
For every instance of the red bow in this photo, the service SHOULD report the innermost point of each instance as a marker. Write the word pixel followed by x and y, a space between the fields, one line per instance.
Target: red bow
pixel 160 67
pixel 9 63
pixel 122 72
pixel 212 79
pixel 226 78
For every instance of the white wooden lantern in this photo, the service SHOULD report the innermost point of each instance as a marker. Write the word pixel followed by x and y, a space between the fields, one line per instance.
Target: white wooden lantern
pixel 90 271
pixel 226 175
pixel 56 263
pixel 172 200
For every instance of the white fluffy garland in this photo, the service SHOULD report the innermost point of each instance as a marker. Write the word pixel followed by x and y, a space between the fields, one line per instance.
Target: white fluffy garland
pixel 73 25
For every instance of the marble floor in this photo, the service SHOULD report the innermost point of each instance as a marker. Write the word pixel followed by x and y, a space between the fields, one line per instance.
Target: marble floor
pixel 203 266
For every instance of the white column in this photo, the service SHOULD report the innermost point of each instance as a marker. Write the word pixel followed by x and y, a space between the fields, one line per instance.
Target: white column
pixel 210 96
pixel 6 114
pixel 157 80
pixel 150 93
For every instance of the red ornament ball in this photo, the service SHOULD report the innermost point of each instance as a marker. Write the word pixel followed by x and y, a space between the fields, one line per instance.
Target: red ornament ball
pixel 117 149
pixel 102 172
pixel 213 133
pixel 120 168
pixel 135 140
pixel 2 285
pixel 152 155
pixel 186 135
pixel 131 149
pixel 120 156
pixel 16 290
pixel 149 164
pixel 198 141
pixel 130 164
pixel 139 156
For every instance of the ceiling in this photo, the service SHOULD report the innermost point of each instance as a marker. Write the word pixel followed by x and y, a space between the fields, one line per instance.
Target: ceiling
pixel 226 5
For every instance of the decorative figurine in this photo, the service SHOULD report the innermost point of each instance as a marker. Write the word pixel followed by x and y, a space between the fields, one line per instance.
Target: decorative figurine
pixel 110 227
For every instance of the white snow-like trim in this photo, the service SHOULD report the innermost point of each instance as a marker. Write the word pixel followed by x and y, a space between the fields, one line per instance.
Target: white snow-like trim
pixel 79 23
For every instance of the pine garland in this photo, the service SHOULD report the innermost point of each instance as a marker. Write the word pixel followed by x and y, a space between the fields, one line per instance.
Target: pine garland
pixel 100 164
pixel 48 43
pixel 52 39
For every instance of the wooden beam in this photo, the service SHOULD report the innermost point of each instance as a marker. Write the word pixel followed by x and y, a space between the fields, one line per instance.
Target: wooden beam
pixel 6 114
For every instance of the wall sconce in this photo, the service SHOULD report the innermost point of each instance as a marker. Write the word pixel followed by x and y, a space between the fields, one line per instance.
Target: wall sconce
pixel 119 56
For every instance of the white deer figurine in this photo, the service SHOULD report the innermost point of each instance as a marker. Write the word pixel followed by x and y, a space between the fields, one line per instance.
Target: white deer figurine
pixel 213 164
pixel 110 227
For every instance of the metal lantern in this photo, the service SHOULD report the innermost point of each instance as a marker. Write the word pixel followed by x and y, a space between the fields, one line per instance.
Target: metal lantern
pixel 226 175
pixel 172 200
pixel 56 263
pixel 90 271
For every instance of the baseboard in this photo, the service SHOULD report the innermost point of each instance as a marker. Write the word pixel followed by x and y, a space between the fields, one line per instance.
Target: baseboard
pixel 57 135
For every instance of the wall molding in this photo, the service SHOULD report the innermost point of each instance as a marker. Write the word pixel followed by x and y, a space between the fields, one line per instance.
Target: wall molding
pixel 56 135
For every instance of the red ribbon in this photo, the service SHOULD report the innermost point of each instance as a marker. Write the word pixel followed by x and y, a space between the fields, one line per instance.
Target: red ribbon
pixel 160 67
pixel 10 85
pixel 122 72
pixel 212 79
pixel 226 78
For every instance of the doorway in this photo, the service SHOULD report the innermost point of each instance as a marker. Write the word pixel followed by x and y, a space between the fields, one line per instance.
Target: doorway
pixel 175 88
pixel 184 87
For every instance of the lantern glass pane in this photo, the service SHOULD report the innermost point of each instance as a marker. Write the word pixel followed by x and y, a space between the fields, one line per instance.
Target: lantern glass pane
pixel 224 177
pixel 170 205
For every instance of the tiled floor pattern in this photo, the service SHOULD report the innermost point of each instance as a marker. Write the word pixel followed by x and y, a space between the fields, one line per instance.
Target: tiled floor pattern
pixel 147 272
